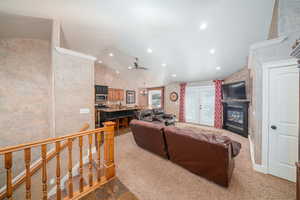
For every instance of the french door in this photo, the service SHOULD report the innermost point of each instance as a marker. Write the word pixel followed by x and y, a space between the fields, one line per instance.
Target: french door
pixel 200 105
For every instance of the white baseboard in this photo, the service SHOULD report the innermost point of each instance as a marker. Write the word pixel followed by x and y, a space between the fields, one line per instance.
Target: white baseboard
pixel 256 167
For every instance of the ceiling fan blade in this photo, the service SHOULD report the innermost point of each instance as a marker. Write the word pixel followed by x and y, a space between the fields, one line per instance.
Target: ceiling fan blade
pixel 144 68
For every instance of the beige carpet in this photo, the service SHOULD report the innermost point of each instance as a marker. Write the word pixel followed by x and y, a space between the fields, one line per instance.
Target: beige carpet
pixel 150 177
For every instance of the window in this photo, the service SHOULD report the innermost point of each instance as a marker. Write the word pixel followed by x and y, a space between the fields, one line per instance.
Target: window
pixel 155 98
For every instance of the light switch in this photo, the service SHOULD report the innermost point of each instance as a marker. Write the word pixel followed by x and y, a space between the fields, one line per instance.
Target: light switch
pixel 84 110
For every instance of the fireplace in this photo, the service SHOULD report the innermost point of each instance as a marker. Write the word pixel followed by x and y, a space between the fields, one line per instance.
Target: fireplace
pixel 235 116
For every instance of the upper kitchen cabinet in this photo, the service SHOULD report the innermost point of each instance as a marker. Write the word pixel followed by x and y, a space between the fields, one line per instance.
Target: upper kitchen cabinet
pixel 115 94
pixel 110 94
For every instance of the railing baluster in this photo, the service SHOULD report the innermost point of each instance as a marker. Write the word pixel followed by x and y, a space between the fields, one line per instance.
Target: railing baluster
pixel 44 171
pixel 46 157
pixel 90 160
pixel 8 166
pixel 70 183
pixel 80 164
pixel 98 136
pixel 58 187
pixel 109 150
pixel 27 158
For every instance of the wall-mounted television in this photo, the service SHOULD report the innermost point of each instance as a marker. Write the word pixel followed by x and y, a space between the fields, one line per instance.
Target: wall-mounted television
pixel 235 90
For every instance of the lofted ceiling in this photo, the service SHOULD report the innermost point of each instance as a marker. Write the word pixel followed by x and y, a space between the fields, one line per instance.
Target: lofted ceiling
pixel 170 28
pixel 15 26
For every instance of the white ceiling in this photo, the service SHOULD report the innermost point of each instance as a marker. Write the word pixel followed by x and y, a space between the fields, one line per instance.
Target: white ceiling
pixel 171 28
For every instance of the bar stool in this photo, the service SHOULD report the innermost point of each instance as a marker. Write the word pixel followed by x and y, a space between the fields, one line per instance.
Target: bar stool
pixel 124 122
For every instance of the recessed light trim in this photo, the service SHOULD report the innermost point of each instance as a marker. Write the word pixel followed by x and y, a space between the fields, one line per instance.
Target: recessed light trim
pixel 203 26
pixel 174 75
pixel 111 54
pixel 164 65
pixel 149 50
pixel 218 68
pixel 100 61
pixel 212 51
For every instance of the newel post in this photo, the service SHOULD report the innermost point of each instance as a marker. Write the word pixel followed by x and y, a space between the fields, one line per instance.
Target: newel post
pixel 109 160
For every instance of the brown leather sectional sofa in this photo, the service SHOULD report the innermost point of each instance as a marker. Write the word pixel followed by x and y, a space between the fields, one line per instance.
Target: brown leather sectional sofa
pixel 207 155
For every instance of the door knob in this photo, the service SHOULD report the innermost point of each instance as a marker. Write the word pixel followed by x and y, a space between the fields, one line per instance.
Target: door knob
pixel 273 127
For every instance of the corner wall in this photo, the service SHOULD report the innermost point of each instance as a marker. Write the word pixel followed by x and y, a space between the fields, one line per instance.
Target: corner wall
pixel 72 87
pixel 24 95
pixel 271 50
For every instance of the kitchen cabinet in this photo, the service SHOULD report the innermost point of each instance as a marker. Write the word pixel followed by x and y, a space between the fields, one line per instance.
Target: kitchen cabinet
pixel 121 95
pixel 115 94
pixel 110 94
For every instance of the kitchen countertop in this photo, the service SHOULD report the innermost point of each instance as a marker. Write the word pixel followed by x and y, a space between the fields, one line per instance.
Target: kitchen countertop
pixel 117 109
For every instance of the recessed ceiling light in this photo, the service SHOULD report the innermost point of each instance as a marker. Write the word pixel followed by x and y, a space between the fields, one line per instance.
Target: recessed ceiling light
pixel 212 51
pixel 164 64
pixel 218 68
pixel 100 61
pixel 117 71
pixel 203 26
pixel 173 75
pixel 129 67
pixel 111 54
pixel 149 50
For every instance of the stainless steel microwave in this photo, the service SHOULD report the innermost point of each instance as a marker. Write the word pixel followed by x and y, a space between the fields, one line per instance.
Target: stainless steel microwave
pixel 101 97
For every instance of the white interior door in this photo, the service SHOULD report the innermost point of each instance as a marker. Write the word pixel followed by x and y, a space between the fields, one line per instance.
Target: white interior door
pixel 283 121
pixel 200 105
pixel 207 105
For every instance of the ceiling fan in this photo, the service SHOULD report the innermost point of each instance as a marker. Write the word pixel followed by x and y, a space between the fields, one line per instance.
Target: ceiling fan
pixel 137 65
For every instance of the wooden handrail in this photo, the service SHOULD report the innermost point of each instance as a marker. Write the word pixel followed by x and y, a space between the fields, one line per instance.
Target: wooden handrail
pixel 109 166
pixel 49 141
pixel 50 155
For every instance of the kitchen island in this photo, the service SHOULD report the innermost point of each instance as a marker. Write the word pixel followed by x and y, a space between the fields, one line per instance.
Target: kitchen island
pixel 114 114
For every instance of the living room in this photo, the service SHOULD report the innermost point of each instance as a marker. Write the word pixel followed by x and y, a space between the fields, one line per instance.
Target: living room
pixel 149 99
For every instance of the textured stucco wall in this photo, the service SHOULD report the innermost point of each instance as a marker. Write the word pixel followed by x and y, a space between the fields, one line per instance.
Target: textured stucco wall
pixel 142 99
pixel 24 95
pixel 289 17
pixel 73 90
pixel 170 106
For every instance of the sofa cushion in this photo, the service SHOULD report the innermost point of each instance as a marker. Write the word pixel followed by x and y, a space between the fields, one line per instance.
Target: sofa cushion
pixel 149 136
pixel 207 155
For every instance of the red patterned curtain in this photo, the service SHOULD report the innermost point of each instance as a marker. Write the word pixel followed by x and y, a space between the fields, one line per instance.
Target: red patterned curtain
pixel 182 102
pixel 218 104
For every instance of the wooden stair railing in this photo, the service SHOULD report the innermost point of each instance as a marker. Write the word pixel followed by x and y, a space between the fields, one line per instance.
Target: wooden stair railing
pixel 35 168
pixel 109 166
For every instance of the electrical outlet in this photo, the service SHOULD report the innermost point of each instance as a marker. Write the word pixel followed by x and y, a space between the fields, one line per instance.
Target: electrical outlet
pixel 84 110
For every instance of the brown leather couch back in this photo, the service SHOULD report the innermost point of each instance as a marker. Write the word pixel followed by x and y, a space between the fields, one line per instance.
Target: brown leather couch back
pixel 149 136
pixel 207 155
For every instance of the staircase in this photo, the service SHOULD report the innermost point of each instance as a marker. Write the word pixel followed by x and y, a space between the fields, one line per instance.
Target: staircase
pixel 90 173
pixel 77 181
